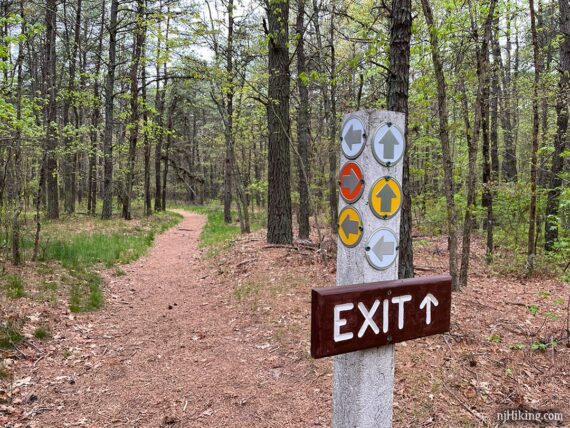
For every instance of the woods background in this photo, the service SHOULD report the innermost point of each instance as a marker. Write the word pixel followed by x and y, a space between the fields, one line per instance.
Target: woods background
pixel 121 107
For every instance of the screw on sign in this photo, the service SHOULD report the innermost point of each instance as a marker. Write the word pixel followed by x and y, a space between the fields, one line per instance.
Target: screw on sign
pixel 350 226
pixel 385 197
pixel 351 182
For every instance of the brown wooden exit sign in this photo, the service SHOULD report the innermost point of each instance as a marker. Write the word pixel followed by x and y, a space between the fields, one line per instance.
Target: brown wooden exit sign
pixel 354 317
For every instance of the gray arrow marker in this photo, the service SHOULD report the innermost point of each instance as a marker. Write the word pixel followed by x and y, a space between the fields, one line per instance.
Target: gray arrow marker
pixel 382 249
pixel 389 141
pixel 386 194
pixel 350 227
pixel 353 137
pixel 350 181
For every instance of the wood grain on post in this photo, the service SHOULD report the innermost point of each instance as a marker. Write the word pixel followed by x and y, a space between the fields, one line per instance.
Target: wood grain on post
pixel 363 380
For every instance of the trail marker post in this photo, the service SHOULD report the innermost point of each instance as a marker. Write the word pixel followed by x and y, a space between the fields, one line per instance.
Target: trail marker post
pixel 360 323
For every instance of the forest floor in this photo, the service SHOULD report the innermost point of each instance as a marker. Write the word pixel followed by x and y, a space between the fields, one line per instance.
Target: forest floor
pixel 190 339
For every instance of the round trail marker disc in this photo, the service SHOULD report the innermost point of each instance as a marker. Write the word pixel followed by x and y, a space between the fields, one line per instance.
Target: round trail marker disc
pixel 382 248
pixel 388 144
pixel 351 182
pixel 385 197
pixel 353 138
pixel 350 226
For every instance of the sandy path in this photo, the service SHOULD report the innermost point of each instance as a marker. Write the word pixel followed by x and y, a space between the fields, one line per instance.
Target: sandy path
pixel 169 348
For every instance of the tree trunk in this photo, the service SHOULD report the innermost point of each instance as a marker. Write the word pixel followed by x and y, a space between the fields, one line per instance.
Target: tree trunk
pixel 279 222
pixel 398 85
pixel 561 138
pixel 50 80
pixel 449 182
pixel 70 156
pixel 534 148
pixel 509 170
pixel 147 194
pixel 229 175
pixel 486 196
pixel 472 136
pixel 109 115
pixel 333 130
pixel 17 185
pixel 139 39
pixel 95 122
pixel 303 130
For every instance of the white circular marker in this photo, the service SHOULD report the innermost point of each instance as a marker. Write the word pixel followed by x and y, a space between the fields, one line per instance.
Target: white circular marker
pixel 388 144
pixel 353 138
pixel 382 249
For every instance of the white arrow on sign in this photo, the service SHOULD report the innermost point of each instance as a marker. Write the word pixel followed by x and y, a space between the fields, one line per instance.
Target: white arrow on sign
pixel 427 302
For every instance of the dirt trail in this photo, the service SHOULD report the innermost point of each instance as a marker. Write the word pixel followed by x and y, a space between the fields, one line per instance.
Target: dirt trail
pixel 168 349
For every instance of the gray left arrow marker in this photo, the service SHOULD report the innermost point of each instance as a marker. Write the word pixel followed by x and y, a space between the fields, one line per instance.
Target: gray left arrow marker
pixel 382 249
pixel 353 136
pixel 350 227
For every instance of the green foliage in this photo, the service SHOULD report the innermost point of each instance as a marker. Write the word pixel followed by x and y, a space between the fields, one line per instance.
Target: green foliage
pixel 216 234
pixel 41 332
pixel 85 292
pixel 14 286
pixel 83 249
pixel 533 309
pixel 495 338
pixel 543 345
pixel 10 334
pixel 517 346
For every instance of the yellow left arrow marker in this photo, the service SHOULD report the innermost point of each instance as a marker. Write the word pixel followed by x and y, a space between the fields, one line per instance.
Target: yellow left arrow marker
pixel 350 226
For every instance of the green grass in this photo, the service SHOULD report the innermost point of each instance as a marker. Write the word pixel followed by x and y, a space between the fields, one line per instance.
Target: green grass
pixel 89 249
pixel 14 286
pixel 41 333
pixel 81 244
pixel 85 293
pixel 217 234
pixel 10 335
pixel 114 242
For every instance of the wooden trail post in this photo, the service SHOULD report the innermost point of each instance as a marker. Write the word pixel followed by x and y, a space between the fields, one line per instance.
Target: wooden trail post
pixel 363 381
pixel 369 310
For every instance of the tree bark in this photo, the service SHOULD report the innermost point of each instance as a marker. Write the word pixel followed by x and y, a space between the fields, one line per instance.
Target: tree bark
pixel 443 113
pixel 139 40
pixel 107 211
pixel 509 169
pixel 17 186
pixel 534 147
pixel 398 85
pixel 50 85
pixel 279 222
pixel 472 135
pixel 333 130
pixel 487 195
pixel 303 130
pixel 229 175
pixel 70 156
pixel 561 138
pixel 95 122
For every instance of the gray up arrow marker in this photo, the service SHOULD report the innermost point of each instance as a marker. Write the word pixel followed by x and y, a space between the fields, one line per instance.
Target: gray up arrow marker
pixel 389 141
pixel 350 181
pixel 382 249
pixel 386 194
pixel 353 137
pixel 350 227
